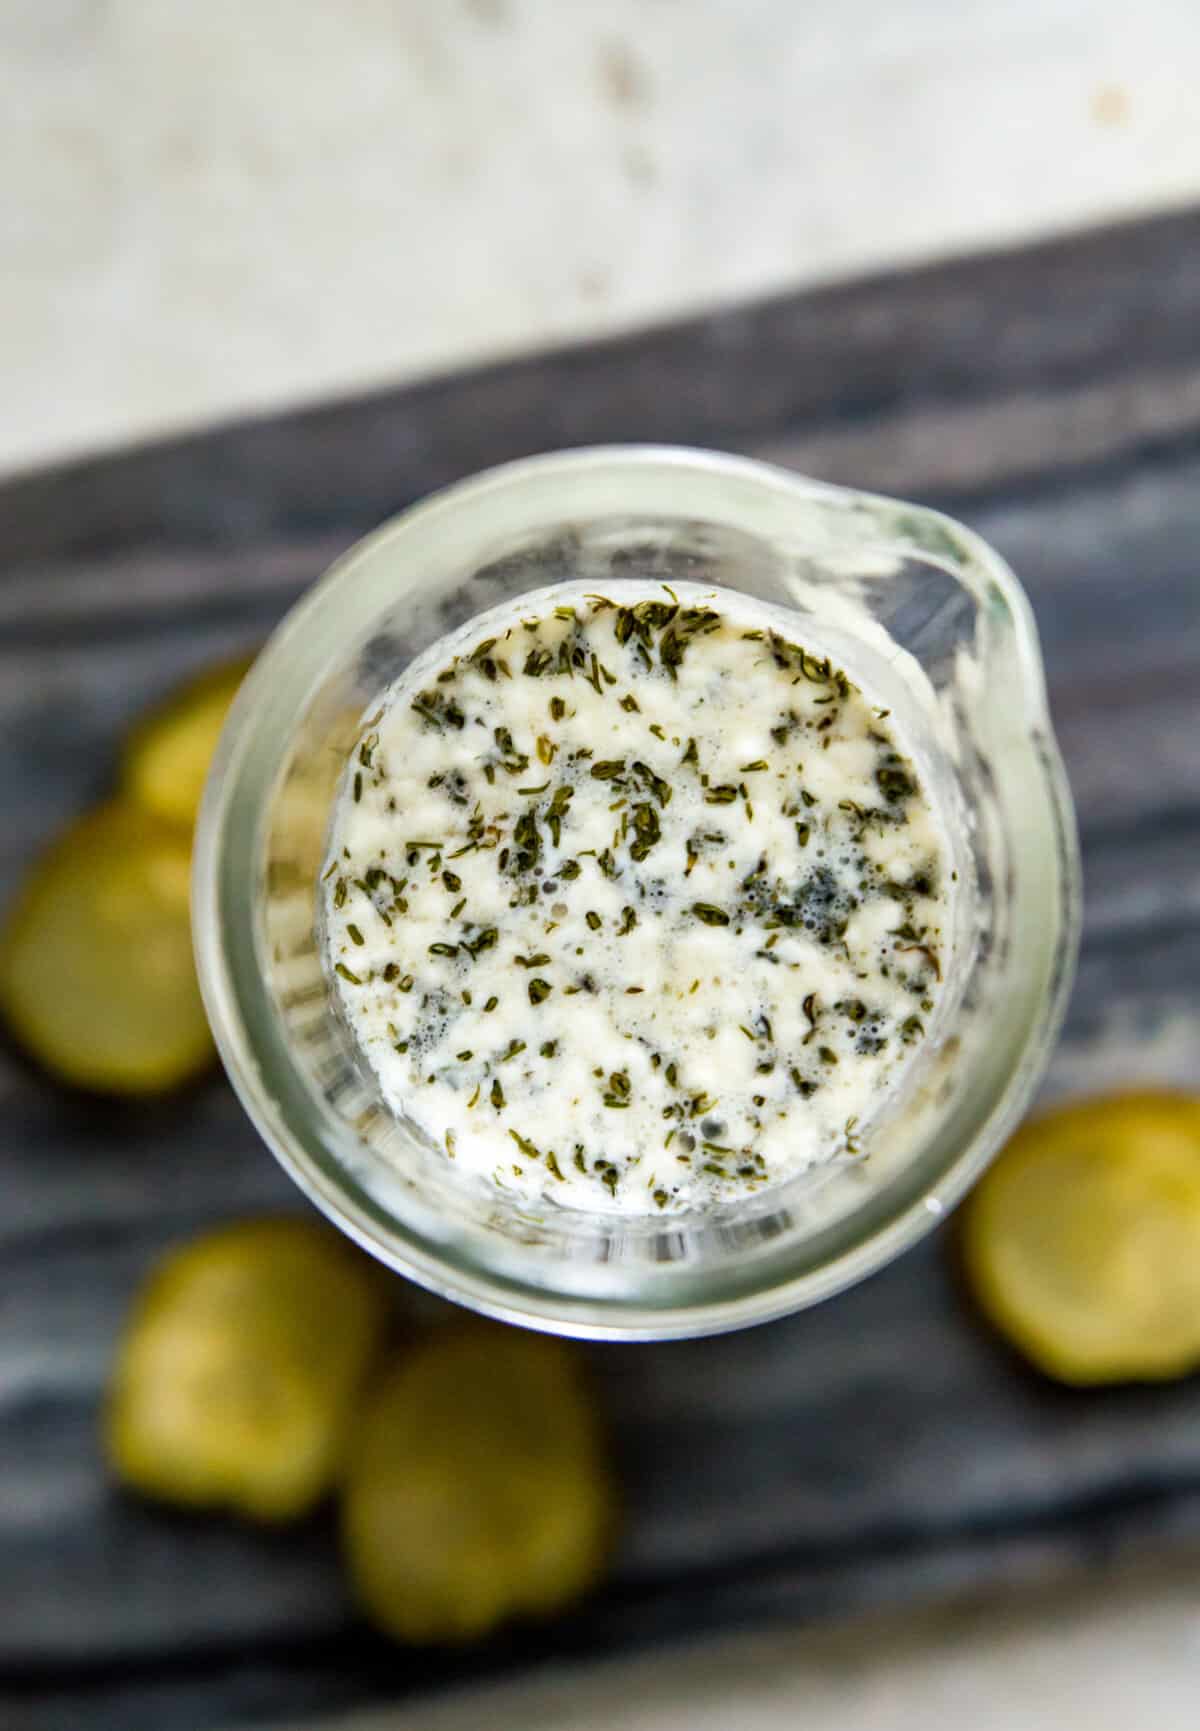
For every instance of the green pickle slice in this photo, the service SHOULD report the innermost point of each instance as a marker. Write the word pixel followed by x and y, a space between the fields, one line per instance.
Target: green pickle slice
pixel 165 762
pixel 96 972
pixel 1082 1242
pixel 234 1382
pixel 477 1488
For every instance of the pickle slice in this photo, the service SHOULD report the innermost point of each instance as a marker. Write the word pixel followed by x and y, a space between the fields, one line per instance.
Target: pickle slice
pixel 96 971
pixel 166 757
pixel 234 1381
pixel 1082 1243
pixel 477 1488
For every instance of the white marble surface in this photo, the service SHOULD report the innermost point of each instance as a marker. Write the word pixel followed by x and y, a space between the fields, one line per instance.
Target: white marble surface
pixel 1114 1657
pixel 212 208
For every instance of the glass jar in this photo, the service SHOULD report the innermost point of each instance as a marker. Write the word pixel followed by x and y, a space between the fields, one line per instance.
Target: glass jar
pixel 937 625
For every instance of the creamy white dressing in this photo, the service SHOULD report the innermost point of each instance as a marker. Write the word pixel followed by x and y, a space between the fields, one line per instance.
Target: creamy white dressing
pixel 635 904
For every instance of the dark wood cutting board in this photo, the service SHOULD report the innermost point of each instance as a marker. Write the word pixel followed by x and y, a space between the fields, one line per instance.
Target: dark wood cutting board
pixel 875 1450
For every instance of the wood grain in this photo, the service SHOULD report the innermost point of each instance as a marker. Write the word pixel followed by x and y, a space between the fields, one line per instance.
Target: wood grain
pixel 879 1448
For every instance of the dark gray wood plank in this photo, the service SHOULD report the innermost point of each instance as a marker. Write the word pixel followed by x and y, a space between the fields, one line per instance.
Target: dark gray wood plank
pixel 876 1449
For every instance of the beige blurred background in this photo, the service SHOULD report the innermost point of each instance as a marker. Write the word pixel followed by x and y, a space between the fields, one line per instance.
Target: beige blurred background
pixel 214 206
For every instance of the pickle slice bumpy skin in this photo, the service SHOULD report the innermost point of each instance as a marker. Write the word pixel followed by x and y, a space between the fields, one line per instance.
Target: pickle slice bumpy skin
pixel 96 973
pixel 477 1489
pixel 1082 1242
pixel 235 1380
